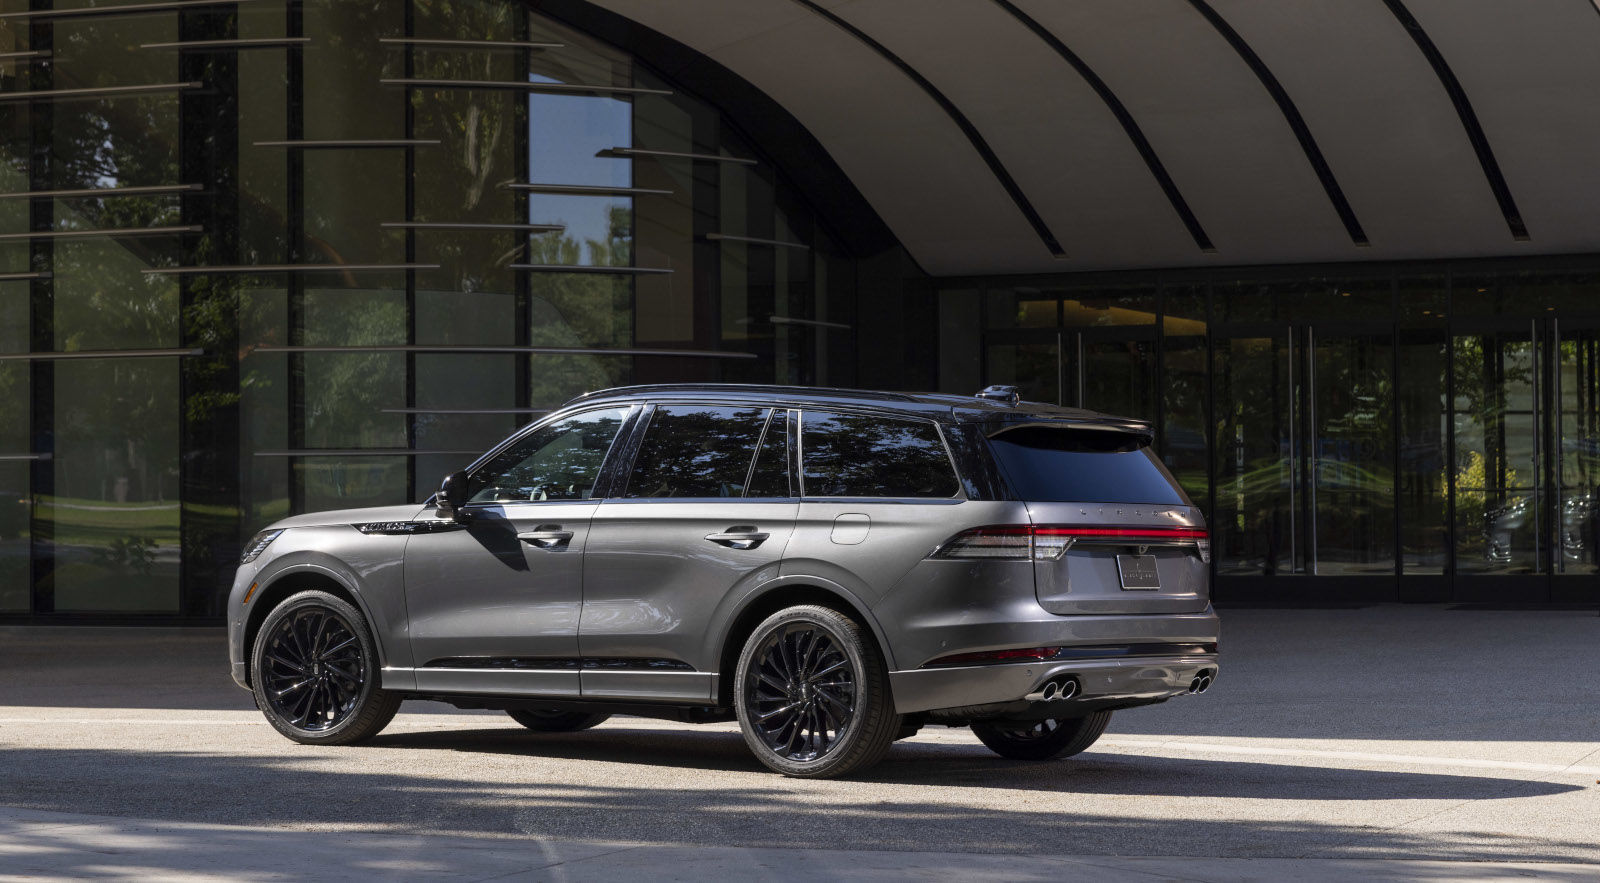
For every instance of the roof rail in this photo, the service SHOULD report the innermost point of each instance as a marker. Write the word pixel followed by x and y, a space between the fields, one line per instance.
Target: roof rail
pixel 742 388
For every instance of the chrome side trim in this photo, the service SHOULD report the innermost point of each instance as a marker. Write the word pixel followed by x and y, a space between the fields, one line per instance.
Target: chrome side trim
pixel 499 682
pixel 695 686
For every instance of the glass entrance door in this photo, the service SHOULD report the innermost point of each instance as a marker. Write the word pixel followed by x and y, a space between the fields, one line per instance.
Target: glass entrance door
pixel 1305 451
pixel 1575 394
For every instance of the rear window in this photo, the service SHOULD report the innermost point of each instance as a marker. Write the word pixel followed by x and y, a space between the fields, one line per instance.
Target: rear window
pixel 853 455
pixel 696 451
pixel 1050 465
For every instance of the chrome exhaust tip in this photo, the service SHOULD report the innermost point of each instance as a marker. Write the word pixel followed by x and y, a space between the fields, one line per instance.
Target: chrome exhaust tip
pixel 1054 691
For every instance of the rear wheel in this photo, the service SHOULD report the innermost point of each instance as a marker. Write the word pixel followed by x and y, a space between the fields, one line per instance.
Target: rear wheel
pixel 812 694
pixel 1042 740
pixel 314 671
pixel 548 720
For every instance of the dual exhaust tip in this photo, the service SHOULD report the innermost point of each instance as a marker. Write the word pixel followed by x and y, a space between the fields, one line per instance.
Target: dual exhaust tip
pixel 1058 690
pixel 1062 689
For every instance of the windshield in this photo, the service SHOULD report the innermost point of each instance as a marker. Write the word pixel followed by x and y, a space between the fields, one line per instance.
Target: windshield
pixel 1046 464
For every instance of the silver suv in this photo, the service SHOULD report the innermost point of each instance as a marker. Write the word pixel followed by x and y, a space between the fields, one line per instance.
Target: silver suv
pixel 832 568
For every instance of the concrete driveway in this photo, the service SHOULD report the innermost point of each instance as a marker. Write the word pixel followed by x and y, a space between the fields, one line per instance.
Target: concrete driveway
pixel 1395 742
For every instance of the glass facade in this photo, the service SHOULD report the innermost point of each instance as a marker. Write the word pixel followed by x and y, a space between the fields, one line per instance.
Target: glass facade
pixel 275 257
pixel 1405 433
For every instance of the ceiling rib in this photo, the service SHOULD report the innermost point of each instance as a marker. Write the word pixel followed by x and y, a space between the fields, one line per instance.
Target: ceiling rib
pixel 1124 118
pixel 960 119
pixel 1291 114
pixel 1469 119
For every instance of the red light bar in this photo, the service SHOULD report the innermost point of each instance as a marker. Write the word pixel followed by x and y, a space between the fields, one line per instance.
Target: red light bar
pixel 1149 533
pixel 998 656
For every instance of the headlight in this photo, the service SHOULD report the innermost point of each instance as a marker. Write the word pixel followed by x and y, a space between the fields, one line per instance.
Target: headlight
pixel 258 545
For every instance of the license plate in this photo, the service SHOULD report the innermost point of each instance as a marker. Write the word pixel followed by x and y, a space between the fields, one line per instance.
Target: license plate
pixel 1138 572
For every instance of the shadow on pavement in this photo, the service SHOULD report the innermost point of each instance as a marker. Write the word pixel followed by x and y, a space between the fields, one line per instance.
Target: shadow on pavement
pixel 912 801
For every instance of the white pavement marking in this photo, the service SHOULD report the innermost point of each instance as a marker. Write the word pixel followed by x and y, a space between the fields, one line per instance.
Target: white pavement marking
pixel 1358 756
pixel 1311 756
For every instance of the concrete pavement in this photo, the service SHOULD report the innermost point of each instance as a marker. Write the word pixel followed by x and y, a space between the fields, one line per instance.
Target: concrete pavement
pixel 1389 742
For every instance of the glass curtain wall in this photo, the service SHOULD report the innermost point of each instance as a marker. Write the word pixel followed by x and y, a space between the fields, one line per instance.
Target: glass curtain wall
pixel 1425 435
pixel 325 253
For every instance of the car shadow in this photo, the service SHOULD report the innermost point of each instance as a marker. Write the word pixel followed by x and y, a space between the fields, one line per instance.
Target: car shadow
pixel 939 765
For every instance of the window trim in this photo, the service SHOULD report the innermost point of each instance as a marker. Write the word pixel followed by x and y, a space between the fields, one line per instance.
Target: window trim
pixel 960 496
pixel 602 485
pixel 792 421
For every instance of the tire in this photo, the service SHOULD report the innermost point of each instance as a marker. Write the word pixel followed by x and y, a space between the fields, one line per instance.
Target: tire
pixel 551 721
pixel 314 671
pixel 1042 740
pixel 812 694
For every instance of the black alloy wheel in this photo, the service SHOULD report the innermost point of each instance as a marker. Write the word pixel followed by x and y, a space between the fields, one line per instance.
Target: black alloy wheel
pixel 1042 739
pixel 314 672
pixel 550 720
pixel 812 694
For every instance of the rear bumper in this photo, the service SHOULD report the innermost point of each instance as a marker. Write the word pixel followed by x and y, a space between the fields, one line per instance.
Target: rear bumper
pixel 1136 680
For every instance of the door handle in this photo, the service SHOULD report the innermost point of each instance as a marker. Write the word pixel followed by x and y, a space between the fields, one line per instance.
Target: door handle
pixel 740 536
pixel 547 536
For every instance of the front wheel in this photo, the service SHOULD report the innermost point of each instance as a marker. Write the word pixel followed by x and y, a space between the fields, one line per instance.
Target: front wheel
pixel 1042 740
pixel 812 694
pixel 548 720
pixel 314 671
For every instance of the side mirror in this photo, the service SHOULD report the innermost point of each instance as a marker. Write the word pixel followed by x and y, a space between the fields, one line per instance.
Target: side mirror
pixel 452 496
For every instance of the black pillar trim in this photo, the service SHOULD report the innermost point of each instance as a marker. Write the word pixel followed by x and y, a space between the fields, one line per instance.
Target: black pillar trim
pixel 1469 118
pixel 1291 115
pixel 960 119
pixel 1124 118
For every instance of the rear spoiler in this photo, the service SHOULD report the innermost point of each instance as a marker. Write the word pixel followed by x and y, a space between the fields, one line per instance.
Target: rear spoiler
pixel 1100 424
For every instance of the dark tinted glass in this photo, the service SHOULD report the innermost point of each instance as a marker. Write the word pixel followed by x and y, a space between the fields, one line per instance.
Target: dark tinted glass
pixel 1064 466
pixel 770 478
pixel 559 462
pixel 848 455
pixel 696 451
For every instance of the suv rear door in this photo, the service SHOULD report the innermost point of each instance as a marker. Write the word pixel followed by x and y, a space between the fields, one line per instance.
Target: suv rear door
pixel 706 508
pixel 1113 532
pixel 878 495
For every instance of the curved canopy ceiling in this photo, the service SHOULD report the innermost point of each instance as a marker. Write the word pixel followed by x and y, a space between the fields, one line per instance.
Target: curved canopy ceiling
pixel 1021 136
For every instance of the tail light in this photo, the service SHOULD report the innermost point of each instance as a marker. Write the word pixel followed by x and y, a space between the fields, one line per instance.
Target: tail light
pixel 1048 542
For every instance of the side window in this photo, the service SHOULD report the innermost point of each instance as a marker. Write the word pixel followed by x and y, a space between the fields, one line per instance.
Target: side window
pixel 770 476
pixel 558 462
pixel 696 451
pixel 851 455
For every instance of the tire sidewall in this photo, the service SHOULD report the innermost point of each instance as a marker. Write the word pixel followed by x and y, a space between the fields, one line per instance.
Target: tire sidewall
pixel 369 653
pixel 848 636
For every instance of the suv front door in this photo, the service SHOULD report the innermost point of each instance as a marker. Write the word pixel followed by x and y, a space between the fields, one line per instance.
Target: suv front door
pixel 493 603
pixel 702 517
